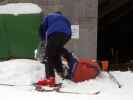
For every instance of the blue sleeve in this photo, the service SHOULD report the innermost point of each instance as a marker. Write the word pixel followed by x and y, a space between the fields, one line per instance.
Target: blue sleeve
pixel 68 24
pixel 43 29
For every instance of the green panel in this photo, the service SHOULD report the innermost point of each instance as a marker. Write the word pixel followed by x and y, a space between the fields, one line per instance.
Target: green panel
pixel 23 33
pixel 4 46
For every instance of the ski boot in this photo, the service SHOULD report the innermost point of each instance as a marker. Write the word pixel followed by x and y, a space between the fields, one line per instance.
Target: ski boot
pixel 47 85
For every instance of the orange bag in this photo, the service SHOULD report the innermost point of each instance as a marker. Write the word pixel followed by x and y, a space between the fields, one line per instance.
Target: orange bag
pixel 86 69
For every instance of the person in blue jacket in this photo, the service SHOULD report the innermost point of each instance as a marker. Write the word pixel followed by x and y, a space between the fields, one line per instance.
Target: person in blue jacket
pixel 55 30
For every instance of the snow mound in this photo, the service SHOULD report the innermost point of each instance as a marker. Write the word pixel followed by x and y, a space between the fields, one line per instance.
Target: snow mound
pixel 21 71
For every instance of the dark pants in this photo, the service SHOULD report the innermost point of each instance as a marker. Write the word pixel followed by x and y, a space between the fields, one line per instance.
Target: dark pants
pixel 54 50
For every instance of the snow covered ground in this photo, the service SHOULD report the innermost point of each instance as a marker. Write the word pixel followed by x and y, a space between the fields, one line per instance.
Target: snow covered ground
pixel 23 72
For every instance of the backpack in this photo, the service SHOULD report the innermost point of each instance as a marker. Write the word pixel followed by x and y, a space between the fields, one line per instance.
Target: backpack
pixel 85 69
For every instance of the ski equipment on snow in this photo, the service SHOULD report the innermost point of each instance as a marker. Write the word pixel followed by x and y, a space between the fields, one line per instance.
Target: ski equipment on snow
pixel 57 88
pixel 106 67
pixel 69 92
pixel 42 88
pixel 114 79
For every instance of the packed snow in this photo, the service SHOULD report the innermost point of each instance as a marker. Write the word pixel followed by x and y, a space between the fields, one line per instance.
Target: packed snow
pixel 21 71
pixel 20 8
pixel 24 72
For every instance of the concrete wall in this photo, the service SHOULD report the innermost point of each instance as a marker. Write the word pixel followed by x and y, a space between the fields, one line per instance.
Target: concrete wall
pixel 80 12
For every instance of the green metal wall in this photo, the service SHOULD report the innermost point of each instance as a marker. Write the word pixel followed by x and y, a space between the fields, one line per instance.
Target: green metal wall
pixel 19 35
pixel 4 47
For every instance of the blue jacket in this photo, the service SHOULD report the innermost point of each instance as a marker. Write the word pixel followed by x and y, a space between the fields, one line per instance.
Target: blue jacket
pixel 54 22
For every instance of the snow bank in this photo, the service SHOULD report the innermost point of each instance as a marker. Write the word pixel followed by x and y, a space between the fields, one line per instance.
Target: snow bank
pixel 20 8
